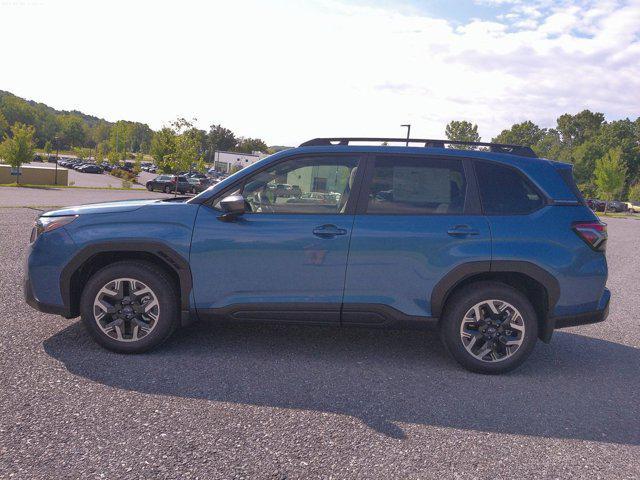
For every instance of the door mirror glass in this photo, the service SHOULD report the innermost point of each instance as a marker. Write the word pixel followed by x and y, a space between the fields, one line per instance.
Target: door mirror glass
pixel 233 206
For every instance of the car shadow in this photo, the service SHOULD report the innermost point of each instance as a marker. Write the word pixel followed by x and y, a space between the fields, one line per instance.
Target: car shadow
pixel 577 387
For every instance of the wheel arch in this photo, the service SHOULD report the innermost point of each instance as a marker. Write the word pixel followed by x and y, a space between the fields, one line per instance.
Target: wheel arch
pixel 94 257
pixel 537 284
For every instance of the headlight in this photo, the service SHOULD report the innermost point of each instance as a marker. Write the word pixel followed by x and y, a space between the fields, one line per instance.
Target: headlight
pixel 47 224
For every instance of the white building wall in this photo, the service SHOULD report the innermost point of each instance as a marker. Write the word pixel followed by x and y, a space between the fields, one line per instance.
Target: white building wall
pixel 228 161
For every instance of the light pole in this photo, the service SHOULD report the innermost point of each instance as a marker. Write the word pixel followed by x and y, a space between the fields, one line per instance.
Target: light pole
pixel 55 182
pixel 408 127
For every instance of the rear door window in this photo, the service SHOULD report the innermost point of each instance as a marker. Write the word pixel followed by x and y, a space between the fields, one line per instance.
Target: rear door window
pixel 505 191
pixel 416 186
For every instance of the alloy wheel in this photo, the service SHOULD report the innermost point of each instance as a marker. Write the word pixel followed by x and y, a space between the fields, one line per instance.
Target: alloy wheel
pixel 126 309
pixel 492 330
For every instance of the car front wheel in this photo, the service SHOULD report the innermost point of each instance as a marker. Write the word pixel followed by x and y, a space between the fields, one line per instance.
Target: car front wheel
pixel 130 306
pixel 489 327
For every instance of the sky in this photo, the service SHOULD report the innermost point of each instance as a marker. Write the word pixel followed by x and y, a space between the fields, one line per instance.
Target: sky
pixel 288 71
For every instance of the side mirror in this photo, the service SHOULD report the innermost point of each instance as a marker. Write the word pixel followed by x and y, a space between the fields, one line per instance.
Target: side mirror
pixel 233 206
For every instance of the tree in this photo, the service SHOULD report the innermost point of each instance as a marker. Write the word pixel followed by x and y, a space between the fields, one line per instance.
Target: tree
pixel 48 148
pixel 187 145
pixel 113 157
pixel 4 125
pixel 610 175
pixel 118 138
pixel 634 193
pixel 81 152
pixel 462 131
pixel 100 132
pixel 623 134
pixel 250 145
pixel 550 145
pixel 137 166
pixel 584 158
pixel 18 148
pixel 163 148
pixel 102 150
pixel 73 131
pixel 526 133
pixel 575 129
pixel 220 138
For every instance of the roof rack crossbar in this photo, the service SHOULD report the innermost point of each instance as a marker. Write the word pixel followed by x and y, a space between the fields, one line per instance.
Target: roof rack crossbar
pixel 429 143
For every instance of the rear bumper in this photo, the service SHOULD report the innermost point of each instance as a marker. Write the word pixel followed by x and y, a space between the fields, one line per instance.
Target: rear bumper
pixel 582 319
pixel 585 318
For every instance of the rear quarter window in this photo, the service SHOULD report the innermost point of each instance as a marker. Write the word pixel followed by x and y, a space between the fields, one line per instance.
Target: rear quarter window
pixel 505 191
pixel 567 176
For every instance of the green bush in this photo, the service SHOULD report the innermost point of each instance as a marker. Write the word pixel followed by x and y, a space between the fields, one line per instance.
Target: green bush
pixel 123 174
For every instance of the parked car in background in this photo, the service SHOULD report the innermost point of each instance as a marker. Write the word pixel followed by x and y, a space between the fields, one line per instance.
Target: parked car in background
pixel 37 158
pixel 169 184
pixel 633 207
pixel 496 248
pixel 199 184
pixel 595 204
pixel 52 159
pixel 616 206
pixel 91 169
pixel 196 175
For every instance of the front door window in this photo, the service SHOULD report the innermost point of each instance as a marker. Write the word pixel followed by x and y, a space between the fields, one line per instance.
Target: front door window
pixel 305 185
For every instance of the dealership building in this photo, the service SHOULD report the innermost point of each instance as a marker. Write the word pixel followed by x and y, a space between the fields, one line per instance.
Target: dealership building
pixel 228 162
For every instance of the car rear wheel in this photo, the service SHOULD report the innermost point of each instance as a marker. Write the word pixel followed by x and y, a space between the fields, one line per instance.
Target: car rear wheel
pixel 489 327
pixel 130 306
pixel 167 189
pixel 150 187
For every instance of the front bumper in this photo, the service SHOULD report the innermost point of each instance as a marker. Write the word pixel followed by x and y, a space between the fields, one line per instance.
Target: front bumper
pixel 33 302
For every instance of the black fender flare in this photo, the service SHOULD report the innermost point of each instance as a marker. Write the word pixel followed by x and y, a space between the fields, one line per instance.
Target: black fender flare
pixel 467 270
pixel 162 251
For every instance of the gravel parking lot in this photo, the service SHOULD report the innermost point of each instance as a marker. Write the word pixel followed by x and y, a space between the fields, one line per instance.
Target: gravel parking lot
pixel 255 401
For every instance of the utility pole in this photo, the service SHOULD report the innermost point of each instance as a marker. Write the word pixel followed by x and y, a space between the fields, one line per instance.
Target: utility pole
pixel 55 182
pixel 408 127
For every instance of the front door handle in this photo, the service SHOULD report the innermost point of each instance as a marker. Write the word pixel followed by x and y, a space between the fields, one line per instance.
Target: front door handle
pixel 328 231
pixel 462 231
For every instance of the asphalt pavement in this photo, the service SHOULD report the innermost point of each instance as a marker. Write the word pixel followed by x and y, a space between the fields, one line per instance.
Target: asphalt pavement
pixel 50 197
pixel 283 402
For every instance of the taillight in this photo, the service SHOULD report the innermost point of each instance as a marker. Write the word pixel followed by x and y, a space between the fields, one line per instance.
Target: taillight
pixel 593 233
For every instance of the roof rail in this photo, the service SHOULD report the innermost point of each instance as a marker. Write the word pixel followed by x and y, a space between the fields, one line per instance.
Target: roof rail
pixel 493 147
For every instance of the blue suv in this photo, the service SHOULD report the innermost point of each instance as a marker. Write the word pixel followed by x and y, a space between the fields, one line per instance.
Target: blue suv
pixel 495 246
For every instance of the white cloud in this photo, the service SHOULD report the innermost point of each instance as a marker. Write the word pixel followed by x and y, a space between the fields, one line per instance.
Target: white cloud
pixel 287 71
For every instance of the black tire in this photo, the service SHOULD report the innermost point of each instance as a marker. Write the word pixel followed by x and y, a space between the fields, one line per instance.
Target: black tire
pixel 167 189
pixel 462 301
pixel 149 187
pixel 152 276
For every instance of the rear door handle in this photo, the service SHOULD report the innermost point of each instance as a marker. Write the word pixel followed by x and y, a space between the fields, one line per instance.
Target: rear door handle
pixel 462 231
pixel 328 231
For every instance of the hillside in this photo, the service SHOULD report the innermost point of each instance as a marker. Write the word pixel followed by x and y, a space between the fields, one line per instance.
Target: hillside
pixel 72 128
